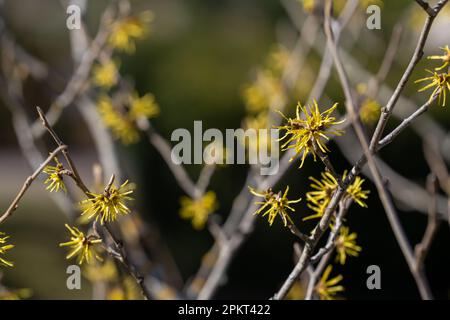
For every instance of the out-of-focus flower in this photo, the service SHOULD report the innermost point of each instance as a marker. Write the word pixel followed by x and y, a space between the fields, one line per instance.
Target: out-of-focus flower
pixel 126 32
pixel 105 271
pixel 127 290
pixel 55 177
pixel 445 58
pixel 263 93
pixel 440 82
pixel 275 204
pixel 15 294
pixel 198 210
pixel 144 106
pixel 3 249
pixel 305 134
pixel 297 292
pixel 370 111
pixel 106 206
pixel 105 74
pixel 308 5
pixel 346 245
pixel 328 289
pixel 82 247
pixel 121 126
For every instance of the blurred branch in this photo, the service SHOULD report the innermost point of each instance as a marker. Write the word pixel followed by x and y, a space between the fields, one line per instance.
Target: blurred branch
pixel 422 249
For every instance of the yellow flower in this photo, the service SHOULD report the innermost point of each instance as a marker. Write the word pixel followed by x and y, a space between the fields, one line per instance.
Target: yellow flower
pixel 441 83
pixel 15 294
pixel 323 191
pixel 3 249
pixel 304 135
pixel 144 106
pixel 369 111
pixel 308 5
pixel 263 92
pixel 125 32
pixel 445 58
pixel 328 289
pixel 55 177
pixel 107 205
pixel 275 204
pixel 127 290
pixel 101 272
pixel 121 126
pixel 105 75
pixel 320 197
pixel 357 193
pixel 262 141
pixel 198 209
pixel 278 59
pixel 81 246
pixel 346 245
pixel 297 292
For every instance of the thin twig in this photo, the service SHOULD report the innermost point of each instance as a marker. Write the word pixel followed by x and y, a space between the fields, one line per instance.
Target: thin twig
pixel 15 204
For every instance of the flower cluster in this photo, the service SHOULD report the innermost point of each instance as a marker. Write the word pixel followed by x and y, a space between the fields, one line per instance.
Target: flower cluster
pixel 55 177
pixel 3 249
pixel 123 124
pixel 323 190
pixel 122 110
pixel 82 247
pixel 198 210
pixel 106 206
pixel 275 204
pixel 308 131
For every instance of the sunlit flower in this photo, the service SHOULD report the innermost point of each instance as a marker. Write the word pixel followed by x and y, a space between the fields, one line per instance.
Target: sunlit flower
pixel 445 58
pixel 3 249
pixel 121 126
pixel 55 177
pixel 106 206
pixel 127 31
pixel 144 106
pixel 82 247
pixel 275 204
pixel 328 289
pixel 324 189
pixel 440 82
pixel 304 135
pixel 198 210
pixel 105 74
pixel 369 111
pixel 346 245
pixel 356 192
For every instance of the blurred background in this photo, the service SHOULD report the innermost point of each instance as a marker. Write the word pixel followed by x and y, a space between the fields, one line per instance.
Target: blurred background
pixel 197 60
